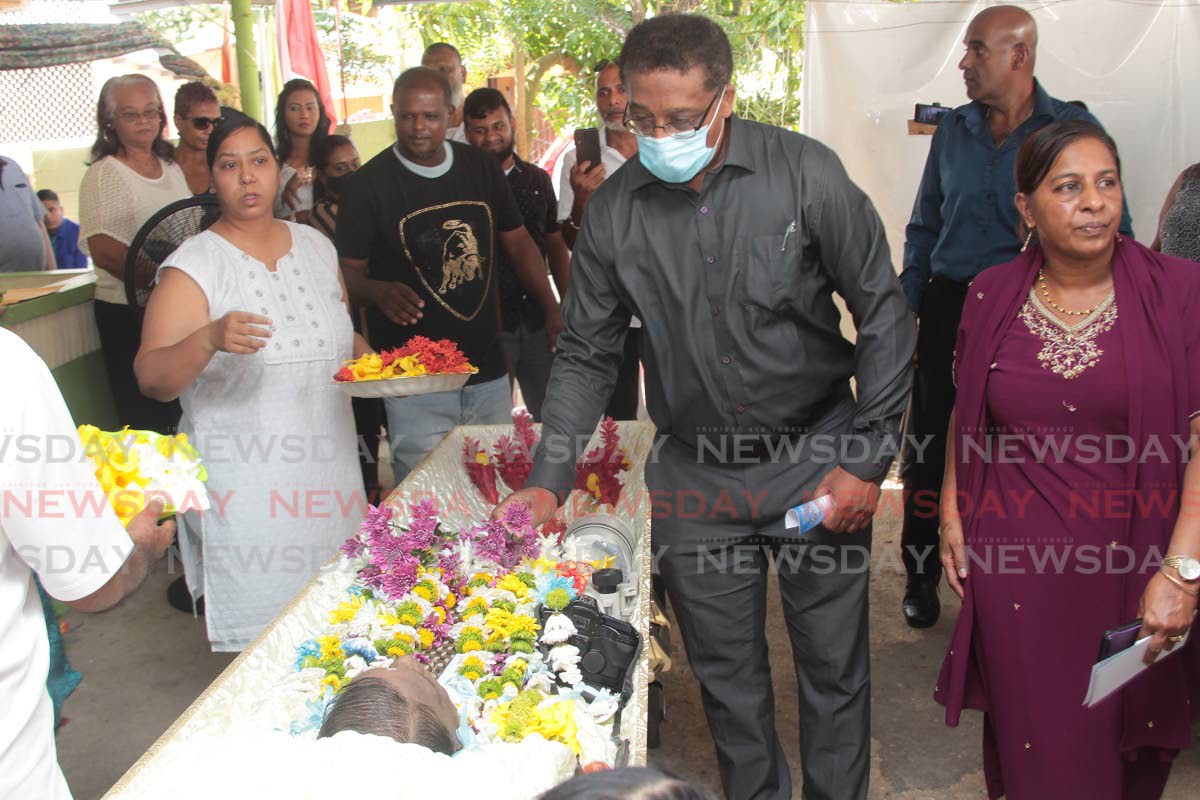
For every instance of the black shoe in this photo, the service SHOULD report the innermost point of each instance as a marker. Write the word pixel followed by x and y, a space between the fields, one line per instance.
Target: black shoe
pixel 921 605
pixel 179 597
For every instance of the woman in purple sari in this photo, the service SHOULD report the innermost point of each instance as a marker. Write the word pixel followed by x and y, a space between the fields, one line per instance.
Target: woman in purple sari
pixel 1078 375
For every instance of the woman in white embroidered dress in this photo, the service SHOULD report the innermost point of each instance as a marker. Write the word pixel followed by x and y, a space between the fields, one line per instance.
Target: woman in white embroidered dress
pixel 133 174
pixel 247 326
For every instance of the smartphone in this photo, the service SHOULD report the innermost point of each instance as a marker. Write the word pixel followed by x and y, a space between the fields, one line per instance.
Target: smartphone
pixel 1118 639
pixel 587 147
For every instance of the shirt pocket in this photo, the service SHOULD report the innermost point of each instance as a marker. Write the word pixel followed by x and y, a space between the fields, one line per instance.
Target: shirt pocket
pixel 766 270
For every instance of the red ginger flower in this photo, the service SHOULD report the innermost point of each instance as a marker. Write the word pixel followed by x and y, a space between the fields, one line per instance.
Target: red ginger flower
pixel 481 469
pixel 514 458
pixel 596 473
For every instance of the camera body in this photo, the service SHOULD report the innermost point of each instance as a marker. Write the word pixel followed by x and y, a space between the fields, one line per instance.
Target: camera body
pixel 608 646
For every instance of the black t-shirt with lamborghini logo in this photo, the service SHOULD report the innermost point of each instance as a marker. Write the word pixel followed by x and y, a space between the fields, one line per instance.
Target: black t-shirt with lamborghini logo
pixel 438 235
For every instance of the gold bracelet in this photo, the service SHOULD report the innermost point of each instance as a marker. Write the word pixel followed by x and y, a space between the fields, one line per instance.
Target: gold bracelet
pixel 1179 583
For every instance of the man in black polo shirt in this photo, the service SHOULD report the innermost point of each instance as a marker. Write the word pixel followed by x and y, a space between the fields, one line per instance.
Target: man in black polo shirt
pixel 527 353
pixel 417 236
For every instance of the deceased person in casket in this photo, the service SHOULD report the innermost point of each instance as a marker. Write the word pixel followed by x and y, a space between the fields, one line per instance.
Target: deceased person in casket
pixel 402 702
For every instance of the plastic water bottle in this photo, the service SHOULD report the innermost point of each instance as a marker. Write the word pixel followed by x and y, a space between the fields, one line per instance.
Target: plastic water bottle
pixel 809 515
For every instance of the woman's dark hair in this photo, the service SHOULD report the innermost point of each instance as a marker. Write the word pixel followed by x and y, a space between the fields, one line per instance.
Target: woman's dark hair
pixel 371 705
pixel 107 143
pixel 283 137
pixel 322 152
pixel 190 95
pixel 630 783
pixel 231 123
pixel 321 155
pixel 678 42
pixel 1043 147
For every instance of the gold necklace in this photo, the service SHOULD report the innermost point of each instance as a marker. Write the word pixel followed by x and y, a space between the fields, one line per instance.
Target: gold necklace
pixel 1041 276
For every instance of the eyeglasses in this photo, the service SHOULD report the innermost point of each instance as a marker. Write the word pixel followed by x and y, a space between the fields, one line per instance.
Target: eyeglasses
pixel 204 123
pixel 149 115
pixel 676 128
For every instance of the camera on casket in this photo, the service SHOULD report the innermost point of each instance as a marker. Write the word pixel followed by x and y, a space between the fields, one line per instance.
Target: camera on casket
pixel 607 646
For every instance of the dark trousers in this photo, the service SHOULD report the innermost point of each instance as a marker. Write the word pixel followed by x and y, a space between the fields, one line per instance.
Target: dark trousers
pixel 369 418
pixel 120 329
pixel 928 418
pixel 528 357
pixel 625 400
pixel 716 563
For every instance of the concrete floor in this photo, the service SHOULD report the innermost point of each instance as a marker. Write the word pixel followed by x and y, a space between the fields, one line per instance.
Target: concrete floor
pixel 144 662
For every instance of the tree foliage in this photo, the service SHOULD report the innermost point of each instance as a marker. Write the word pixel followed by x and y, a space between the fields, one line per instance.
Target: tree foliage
pixel 765 35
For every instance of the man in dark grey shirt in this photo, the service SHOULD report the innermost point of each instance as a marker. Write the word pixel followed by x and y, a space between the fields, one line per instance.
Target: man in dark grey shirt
pixel 728 239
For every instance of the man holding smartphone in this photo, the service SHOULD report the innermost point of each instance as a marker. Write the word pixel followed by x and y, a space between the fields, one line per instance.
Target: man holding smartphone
pixel 597 154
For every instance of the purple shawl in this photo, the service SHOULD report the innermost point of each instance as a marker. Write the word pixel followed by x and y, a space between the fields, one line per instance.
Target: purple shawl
pixel 1158 297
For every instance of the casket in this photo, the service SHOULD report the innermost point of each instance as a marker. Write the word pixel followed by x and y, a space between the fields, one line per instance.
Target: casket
pixel 234 739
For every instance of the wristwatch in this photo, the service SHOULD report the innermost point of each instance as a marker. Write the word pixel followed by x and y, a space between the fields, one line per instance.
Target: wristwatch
pixel 1188 568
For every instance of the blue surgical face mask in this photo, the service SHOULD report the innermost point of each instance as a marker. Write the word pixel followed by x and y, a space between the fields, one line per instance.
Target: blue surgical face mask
pixel 678 160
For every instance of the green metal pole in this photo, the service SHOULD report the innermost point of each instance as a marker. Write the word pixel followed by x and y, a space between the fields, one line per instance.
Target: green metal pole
pixel 248 82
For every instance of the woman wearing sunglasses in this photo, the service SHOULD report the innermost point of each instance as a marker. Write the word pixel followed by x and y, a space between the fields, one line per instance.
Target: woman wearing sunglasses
pixel 196 112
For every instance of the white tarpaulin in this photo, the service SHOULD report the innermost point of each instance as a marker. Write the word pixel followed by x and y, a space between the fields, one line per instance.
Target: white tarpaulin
pixel 1134 63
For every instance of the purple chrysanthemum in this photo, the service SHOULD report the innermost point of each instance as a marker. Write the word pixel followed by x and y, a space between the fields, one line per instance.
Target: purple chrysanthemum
pixel 378 519
pixel 372 577
pixel 440 630
pixel 424 509
pixel 353 547
pixel 400 578
pixel 517 517
pixel 420 535
pixel 507 541
pixel 449 563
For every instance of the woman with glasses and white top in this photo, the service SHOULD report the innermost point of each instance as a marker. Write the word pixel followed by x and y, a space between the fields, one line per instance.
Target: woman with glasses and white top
pixel 196 112
pixel 133 174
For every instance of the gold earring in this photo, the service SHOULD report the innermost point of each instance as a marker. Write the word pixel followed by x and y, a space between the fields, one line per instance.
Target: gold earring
pixel 1028 239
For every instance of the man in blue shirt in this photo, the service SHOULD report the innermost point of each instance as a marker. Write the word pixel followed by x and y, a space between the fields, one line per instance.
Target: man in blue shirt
pixel 964 221
pixel 24 246
pixel 64 233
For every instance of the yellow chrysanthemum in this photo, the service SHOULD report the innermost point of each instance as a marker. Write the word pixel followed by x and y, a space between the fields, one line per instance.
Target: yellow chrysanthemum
pixel 331 646
pixel 426 637
pixel 424 591
pixel 451 600
pixel 471 646
pixel 593 484
pixel 332 680
pixel 511 583
pixel 545 565
pixel 346 611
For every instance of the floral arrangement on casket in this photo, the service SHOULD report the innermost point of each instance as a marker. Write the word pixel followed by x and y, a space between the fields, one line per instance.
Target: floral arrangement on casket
pixel 412 596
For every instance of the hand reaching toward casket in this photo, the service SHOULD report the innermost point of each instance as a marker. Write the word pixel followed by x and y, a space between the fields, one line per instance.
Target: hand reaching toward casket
pixel 542 504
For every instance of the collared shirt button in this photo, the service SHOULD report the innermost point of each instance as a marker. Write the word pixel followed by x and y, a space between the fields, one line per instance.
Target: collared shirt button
pixel 703 209
pixel 727 360
pixel 711 259
pixel 741 409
